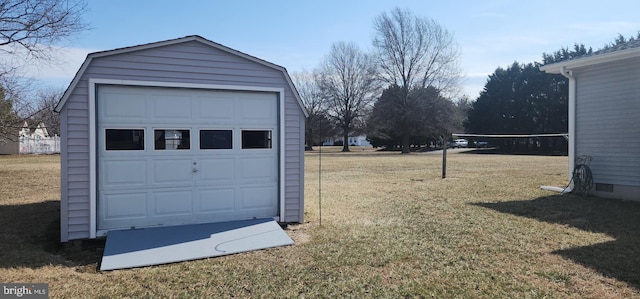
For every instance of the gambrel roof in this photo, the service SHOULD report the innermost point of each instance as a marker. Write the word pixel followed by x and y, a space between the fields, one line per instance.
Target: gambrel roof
pixel 189 38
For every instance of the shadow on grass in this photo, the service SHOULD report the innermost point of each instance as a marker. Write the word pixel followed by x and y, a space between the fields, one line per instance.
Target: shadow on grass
pixel 619 259
pixel 30 237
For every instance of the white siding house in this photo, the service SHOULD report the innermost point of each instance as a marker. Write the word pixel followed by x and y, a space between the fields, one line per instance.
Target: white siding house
pixel 359 140
pixel 178 132
pixel 604 104
pixel 37 140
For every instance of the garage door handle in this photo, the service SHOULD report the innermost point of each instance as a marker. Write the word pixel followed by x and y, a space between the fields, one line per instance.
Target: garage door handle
pixel 195 170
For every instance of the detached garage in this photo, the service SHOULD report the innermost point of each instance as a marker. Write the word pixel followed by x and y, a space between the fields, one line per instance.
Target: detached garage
pixel 184 131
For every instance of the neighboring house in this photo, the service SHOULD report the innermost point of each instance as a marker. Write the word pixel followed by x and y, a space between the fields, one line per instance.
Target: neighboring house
pixel 176 132
pixel 604 104
pixel 35 139
pixel 360 140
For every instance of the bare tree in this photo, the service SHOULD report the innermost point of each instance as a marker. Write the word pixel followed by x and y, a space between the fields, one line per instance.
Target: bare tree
pixel 9 120
pixel 347 80
pixel 317 125
pixel 29 32
pixel 415 52
pixel 36 25
pixel 44 102
pixel 15 106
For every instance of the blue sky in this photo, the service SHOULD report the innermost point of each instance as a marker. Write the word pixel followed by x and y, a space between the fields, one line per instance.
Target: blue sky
pixel 298 34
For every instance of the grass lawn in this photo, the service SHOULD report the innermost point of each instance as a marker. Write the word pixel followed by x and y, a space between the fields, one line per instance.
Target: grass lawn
pixel 391 227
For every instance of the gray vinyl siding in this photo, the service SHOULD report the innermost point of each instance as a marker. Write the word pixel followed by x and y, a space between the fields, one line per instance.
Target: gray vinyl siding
pixel 186 62
pixel 294 157
pixel 64 191
pixel 607 109
pixel 75 166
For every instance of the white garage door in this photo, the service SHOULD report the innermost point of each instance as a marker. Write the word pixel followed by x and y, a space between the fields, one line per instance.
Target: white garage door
pixel 170 156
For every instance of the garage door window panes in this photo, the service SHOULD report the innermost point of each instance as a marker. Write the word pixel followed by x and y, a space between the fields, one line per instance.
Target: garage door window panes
pixel 256 139
pixel 172 139
pixel 124 139
pixel 216 139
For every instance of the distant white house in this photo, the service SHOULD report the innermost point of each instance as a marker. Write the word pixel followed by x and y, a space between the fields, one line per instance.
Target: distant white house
pixel 360 140
pixel 36 140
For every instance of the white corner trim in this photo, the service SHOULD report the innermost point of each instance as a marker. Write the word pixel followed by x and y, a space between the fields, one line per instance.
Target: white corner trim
pixel 93 166
pixel 281 138
pixel 94 82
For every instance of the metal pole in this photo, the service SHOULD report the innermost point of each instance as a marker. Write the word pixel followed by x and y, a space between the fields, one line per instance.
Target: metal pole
pixel 319 172
pixel 444 156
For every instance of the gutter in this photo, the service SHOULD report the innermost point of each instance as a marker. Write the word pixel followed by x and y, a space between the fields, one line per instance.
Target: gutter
pixel 572 124
pixel 561 68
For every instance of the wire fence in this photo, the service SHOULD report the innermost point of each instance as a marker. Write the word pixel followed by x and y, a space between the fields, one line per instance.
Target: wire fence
pixel 48 145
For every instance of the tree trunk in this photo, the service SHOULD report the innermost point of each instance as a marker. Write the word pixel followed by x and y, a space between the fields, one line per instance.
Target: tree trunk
pixel 309 140
pixel 406 146
pixel 345 141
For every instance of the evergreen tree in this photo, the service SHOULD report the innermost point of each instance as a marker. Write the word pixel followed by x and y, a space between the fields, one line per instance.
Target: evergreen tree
pixel 9 121
pixel 521 99
pixel 563 54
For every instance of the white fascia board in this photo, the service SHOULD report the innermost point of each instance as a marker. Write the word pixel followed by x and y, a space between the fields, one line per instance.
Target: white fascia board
pixel 294 90
pixel 72 85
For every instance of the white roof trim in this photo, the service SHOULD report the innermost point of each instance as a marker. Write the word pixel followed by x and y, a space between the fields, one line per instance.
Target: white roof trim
pixel 197 38
pixel 557 68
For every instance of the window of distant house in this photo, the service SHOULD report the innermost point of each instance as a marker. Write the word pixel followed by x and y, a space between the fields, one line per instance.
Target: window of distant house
pixel 124 139
pixel 172 139
pixel 216 139
pixel 256 139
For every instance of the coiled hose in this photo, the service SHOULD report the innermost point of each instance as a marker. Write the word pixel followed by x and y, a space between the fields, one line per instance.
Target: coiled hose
pixel 582 177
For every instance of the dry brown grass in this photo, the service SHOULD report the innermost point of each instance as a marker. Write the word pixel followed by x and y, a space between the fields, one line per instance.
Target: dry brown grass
pixel 390 228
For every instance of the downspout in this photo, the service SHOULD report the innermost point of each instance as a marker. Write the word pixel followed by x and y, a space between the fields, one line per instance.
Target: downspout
pixel 572 125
